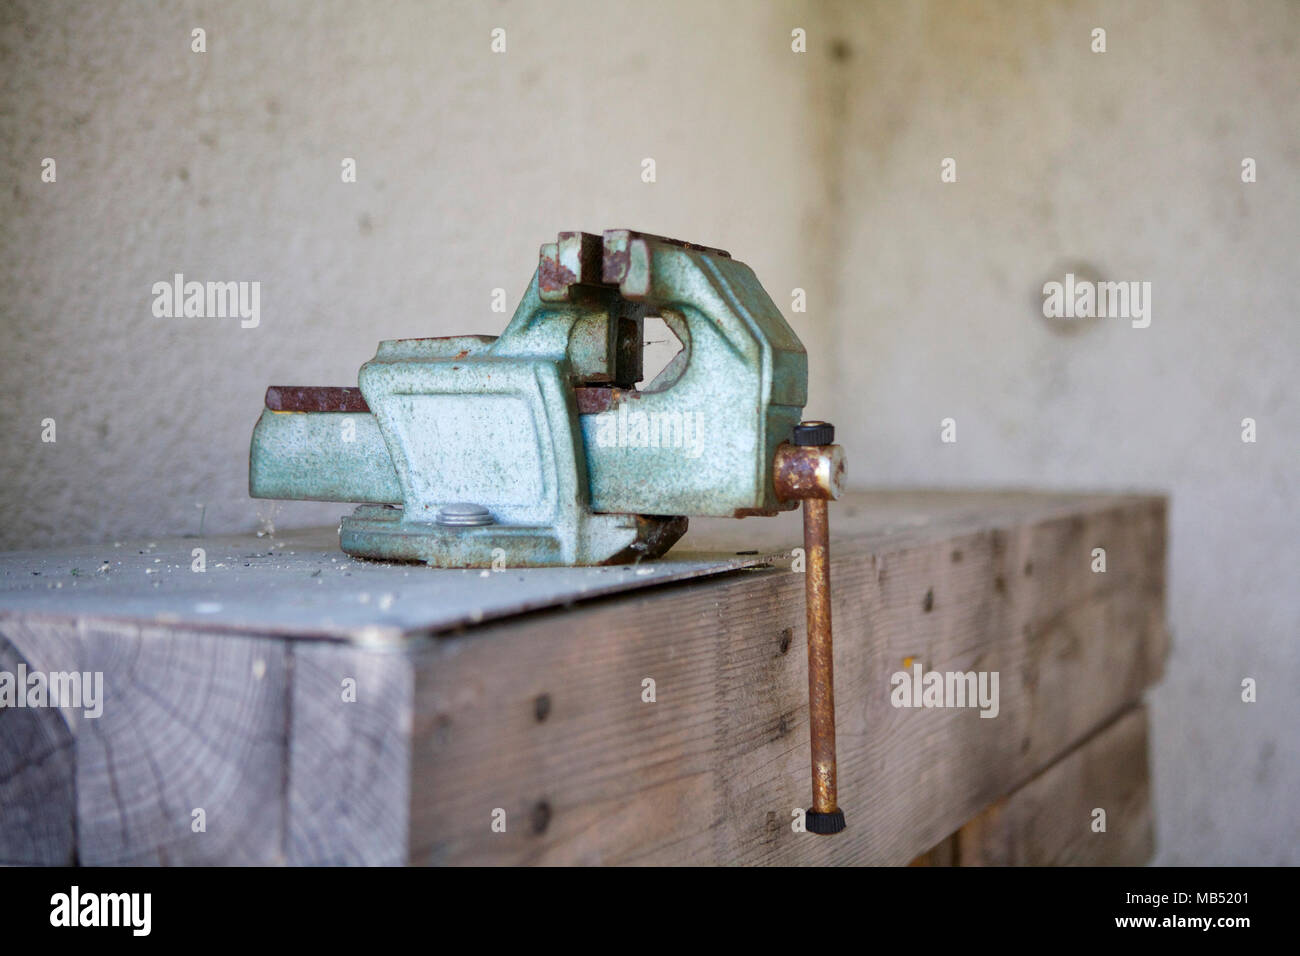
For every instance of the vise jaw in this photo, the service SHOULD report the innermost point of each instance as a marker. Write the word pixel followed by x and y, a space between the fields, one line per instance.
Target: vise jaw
pixel 537 447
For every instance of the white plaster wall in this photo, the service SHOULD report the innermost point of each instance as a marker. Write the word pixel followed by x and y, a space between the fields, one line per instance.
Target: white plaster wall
pixel 819 170
pixel 1126 165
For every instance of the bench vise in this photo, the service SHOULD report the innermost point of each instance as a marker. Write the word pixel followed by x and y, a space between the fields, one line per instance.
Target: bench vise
pixel 537 448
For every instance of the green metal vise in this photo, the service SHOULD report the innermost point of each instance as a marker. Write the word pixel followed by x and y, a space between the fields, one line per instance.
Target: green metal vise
pixel 536 448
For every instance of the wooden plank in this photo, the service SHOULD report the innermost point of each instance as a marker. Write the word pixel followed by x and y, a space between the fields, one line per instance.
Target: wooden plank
pixel 1050 820
pixel 711 772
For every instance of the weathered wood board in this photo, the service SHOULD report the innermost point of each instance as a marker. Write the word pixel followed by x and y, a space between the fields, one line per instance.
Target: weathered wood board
pixel 541 717
pixel 1090 808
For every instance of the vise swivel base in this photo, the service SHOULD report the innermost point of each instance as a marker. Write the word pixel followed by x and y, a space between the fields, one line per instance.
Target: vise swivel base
pixel 537 448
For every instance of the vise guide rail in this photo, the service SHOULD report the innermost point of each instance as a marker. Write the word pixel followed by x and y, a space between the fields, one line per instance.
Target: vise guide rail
pixel 538 709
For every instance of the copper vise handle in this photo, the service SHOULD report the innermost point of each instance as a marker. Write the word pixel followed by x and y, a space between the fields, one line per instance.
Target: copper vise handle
pixel 811 470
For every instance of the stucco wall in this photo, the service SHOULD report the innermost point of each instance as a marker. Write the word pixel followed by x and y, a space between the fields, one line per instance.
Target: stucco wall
pixel 821 170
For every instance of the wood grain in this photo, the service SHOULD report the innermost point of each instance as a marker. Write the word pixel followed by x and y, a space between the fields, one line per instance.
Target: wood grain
pixel 349 760
pixel 1049 821
pixel 191 721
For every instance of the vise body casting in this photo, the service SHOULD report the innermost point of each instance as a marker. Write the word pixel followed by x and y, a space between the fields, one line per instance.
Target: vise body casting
pixel 536 447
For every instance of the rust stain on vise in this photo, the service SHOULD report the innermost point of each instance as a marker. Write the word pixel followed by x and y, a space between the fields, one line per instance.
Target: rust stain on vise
pixel 615 265
pixel 802 472
pixel 315 398
pixel 594 399
pixel 552 276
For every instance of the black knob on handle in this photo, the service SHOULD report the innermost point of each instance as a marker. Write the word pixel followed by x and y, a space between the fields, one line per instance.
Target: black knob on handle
pixel 814 433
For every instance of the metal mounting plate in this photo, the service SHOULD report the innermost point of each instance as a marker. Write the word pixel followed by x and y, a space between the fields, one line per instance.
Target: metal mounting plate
pixel 297 583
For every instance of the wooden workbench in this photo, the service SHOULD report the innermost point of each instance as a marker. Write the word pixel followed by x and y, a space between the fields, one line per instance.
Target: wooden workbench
pixel 521 695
